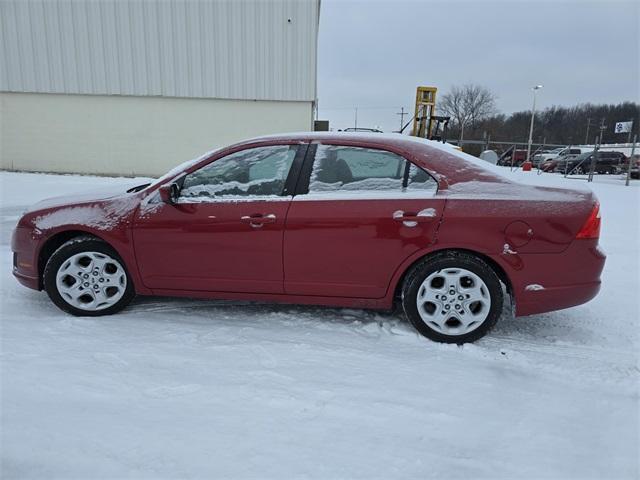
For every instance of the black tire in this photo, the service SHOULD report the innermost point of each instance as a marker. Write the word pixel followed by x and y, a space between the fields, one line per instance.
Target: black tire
pixel 73 247
pixel 453 259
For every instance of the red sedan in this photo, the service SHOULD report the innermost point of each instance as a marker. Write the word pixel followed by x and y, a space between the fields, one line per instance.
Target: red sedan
pixel 350 220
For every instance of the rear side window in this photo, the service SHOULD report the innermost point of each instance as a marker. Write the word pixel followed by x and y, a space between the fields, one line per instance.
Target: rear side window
pixel 420 180
pixel 365 172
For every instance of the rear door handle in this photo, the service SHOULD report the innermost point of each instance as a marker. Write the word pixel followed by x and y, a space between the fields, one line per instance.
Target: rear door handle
pixel 412 219
pixel 257 221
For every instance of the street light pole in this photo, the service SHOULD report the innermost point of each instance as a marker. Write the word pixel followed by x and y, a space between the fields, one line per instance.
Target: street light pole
pixel 533 114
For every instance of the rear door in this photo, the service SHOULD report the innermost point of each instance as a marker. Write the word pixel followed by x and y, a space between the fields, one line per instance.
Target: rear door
pixel 358 213
pixel 225 232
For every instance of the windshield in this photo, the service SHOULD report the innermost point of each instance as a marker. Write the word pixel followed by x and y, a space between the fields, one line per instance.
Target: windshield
pixel 183 166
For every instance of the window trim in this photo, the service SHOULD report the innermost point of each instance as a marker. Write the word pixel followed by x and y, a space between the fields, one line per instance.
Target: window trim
pixel 301 192
pixel 284 195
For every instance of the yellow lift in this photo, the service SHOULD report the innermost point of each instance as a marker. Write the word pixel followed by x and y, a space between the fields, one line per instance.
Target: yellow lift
pixel 426 123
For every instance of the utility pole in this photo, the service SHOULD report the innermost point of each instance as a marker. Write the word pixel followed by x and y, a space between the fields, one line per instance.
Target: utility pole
pixel 586 137
pixel 402 113
pixel 533 115
pixel 594 160
pixel 356 119
pixel 603 127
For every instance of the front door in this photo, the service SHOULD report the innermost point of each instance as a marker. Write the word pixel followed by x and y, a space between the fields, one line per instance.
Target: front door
pixel 364 212
pixel 225 232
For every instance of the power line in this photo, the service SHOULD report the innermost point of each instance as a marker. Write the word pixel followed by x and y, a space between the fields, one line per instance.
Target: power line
pixel 361 108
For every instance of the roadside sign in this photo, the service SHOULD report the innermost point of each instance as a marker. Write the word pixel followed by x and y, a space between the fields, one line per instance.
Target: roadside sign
pixel 623 127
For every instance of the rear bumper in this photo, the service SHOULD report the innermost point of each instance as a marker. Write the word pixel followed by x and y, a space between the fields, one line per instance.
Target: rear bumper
pixel 547 282
pixel 556 298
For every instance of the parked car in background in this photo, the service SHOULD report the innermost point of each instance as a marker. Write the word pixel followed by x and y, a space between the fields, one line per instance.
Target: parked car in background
pixel 541 158
pixel 556 164
pixel 515 159
pixel 606 162
pixel 635 166
pixel 349 220
pixel 361 130
pixel 537 159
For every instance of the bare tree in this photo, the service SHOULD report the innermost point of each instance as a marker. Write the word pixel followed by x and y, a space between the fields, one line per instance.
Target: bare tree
pixel 468 104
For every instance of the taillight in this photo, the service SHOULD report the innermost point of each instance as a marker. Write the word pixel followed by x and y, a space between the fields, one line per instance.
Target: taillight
pixel 591 228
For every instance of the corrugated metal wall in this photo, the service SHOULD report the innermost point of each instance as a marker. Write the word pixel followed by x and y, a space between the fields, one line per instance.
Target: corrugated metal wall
pixel 245 49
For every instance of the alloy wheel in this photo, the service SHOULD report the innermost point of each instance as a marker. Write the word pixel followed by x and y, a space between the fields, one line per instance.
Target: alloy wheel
pixel 453 301
pixel 91 281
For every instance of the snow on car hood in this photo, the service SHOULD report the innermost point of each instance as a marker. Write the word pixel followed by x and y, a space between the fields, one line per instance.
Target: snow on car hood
pixel 105 215
pixel 103 210
pixel 90 196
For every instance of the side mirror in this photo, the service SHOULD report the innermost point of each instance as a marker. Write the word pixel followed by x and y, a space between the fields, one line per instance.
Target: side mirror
pixel 169 193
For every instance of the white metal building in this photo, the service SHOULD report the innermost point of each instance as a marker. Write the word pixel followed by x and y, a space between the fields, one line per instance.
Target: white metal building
pixel 137 86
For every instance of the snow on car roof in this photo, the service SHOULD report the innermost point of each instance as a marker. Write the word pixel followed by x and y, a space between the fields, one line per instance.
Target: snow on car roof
pixel 382 138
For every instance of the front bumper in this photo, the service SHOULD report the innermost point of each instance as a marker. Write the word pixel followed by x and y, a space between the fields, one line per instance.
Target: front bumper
pixel 29 282
pixel 25 258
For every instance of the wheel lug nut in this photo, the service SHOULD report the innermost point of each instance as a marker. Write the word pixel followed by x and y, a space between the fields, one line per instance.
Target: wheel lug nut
pixel 457 306
pixel 86 284
pixel 460 297
pixel 101 280
pixel 447 307
pixel 444 297
pixel 86 276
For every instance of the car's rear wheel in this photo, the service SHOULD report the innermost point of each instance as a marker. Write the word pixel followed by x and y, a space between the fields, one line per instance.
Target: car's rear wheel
pixel 86 277
pixel 454 297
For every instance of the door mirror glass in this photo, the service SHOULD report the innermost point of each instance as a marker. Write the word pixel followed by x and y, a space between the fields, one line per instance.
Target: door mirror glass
pixel 169 193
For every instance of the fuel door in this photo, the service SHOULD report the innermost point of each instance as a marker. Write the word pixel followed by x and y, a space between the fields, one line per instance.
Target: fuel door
pixel 518 234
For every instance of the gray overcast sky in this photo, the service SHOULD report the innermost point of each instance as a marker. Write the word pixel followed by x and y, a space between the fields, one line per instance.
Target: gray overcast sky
pixel 375 53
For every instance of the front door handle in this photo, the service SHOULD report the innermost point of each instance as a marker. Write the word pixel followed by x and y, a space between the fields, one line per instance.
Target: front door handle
pixel 258 220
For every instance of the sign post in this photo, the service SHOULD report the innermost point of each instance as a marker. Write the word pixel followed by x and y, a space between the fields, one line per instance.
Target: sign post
pixel 631 159
pixel 624 127
pixel 594 159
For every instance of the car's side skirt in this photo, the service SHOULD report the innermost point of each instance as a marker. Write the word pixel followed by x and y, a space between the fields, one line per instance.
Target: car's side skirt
pixel 384 303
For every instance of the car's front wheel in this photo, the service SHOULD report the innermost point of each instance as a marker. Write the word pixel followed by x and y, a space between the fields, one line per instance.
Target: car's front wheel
pixel 453 297
pixel 86 277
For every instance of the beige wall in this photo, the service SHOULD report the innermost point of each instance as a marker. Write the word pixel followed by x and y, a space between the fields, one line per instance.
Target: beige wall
pixel 130 135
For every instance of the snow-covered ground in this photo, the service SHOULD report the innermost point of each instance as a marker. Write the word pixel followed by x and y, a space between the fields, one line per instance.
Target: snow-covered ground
pixel 193 389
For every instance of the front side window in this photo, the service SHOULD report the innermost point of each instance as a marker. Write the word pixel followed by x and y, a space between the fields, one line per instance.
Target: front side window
pixel 365 171
pixel 254 172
